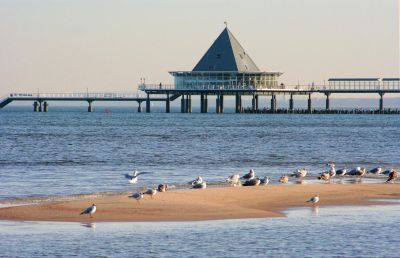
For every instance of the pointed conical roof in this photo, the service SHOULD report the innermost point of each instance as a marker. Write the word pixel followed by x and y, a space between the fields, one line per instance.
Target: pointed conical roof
pixel 226 54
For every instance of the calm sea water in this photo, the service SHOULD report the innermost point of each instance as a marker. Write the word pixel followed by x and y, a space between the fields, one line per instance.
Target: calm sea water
pixel 68 151
pixel 371 231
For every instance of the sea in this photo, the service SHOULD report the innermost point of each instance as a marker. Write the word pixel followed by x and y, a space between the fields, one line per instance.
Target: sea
pixel 70 153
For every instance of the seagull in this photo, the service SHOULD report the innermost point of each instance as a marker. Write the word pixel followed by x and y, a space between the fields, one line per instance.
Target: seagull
pixel 314 199
pixel 341 172
pixel 133 178
pixel 361 172
pixel 353 172
pixel 300 173
pixel 90 210
pixel 332 171
pixel 393 175
pixel 137 196
pixel 284 179
pixel 376 171
pixel 198 180
pixel 202 185
pixel 386 172
pixel 324 176
pixel 151 192
pixel 233 180
pixel 252 182
pixel 163 187
pixel 264 181
pixel 250 175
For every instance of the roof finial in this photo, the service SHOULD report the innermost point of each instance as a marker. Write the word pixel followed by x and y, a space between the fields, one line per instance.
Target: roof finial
pixel 226 24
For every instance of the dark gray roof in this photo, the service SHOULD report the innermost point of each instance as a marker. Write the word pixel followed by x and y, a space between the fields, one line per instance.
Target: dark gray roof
pixel 226 54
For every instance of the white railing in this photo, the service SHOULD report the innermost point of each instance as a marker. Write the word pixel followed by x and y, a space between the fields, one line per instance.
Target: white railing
pixel 144 87
pixel 99 95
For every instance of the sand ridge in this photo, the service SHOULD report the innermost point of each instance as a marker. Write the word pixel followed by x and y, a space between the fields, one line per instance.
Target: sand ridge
pixel 205 204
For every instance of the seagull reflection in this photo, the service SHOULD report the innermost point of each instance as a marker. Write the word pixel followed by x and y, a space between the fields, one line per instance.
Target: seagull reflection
pixel 89 225
pixel 315 210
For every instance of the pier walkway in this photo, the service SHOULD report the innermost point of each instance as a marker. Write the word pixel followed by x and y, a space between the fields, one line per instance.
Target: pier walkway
pixel 169 93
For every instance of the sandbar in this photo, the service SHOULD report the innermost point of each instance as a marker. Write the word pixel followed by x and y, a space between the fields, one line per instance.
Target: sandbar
pixel 205 204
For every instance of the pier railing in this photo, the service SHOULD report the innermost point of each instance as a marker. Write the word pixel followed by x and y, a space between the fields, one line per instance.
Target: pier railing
pixel 144 87
pixel 84 95
pixel 282 87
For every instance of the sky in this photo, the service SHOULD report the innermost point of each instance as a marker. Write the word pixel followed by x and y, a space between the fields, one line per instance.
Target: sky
pixel 74 46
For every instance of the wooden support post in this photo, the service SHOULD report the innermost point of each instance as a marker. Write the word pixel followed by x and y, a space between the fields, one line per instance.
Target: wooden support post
pixel 167 105
pixel 148 103
pixel 291 104
pixel 327 104
pixel 309 104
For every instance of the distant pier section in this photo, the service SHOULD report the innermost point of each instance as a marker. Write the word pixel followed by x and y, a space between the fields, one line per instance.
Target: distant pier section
pixel 226 70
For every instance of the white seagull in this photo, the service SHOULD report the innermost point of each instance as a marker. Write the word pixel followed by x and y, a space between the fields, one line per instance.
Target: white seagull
pixel 233 180
pixel 202 185
pixel 137 196
pixel 314 199
pixel 134 177
pixel 376 171
pixel 250 175
pixel 198 180
pixel 264 181
pixel 90 210
pixel 300 173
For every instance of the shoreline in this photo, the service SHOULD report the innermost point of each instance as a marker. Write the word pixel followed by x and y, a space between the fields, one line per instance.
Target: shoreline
pixel 207 204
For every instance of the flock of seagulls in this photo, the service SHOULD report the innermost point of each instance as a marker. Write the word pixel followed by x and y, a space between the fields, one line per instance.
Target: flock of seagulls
pixel 250 179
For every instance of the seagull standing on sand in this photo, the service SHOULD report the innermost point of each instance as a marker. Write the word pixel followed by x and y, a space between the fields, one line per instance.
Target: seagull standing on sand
pixel 252 182
pixel 250 175
pixel 90 210
pixel 233 180
pixel 354 171
pixel 324 176
pixel 151 192
pixel 341 172
pixel 300 173
pixel 137 196
pixel 393 175
pixel 202 185
pixel 198 180
pixel 133 178
pixel 314 199
pixel 264 181
pixel 284 179
pixel 376 171
pixel 361 172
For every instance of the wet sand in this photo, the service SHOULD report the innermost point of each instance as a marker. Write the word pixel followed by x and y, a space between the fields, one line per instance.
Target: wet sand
pixel 205 204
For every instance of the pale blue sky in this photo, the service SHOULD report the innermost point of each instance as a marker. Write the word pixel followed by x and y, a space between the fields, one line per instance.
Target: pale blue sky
pixel 68 46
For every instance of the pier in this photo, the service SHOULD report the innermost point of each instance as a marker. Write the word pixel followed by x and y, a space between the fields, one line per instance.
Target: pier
pixel 226 70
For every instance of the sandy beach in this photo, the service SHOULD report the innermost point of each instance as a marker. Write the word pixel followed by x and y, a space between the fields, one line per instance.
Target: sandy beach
pixel 207 204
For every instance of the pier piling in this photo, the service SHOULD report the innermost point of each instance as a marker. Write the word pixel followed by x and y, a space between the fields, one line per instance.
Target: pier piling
pixel 291 103
pixel 35 106
pixel 167 104
pixel 90 109
pixel 381 108
pixel 45 107
pixel 221 103
pixel 309 108
pixel 139 109
pixel 148 103
pixel 327 104
pixel 40 106
pixel 183 104
pixel 238 104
